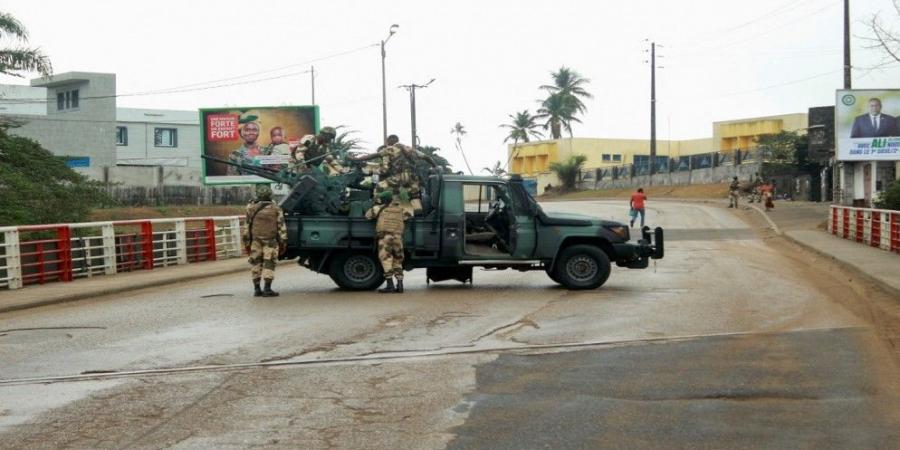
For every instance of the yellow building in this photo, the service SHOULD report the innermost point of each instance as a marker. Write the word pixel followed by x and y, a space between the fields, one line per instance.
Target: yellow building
pixel 533 158
pixel 741 134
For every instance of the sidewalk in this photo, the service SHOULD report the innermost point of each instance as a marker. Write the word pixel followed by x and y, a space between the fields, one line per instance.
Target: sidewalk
pixel 82 288
pixel 800 222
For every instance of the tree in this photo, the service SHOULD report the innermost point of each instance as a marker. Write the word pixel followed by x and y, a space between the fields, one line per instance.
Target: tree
pixel 570 84
pixel 497 170
pixel 890 198
pixel 568 171
pixel 559 110
pixel 885 37
pixel 459 130
pixel 15 60
pixel 438 159
pixel 344 142
pixel 784 147
pixel 522 127
pixel 37 187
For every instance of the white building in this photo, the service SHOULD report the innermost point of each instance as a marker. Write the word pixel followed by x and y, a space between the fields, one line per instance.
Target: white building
pixel 157 137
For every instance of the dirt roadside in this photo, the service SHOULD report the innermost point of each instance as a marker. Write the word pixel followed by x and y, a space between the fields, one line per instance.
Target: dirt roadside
pixel 840 284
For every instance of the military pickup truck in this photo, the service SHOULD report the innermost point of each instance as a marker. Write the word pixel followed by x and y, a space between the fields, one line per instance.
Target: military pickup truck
pixel 465 222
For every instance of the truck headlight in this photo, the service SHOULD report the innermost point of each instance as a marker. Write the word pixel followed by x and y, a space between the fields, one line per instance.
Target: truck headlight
pixel 620 230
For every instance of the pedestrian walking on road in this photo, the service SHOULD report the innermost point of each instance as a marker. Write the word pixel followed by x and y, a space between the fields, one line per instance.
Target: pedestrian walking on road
pixel 265 238
pixel 734 193
pixel 768 191
pixel 637 206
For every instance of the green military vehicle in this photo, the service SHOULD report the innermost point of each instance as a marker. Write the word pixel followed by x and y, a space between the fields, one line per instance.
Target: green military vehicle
pixel 465 222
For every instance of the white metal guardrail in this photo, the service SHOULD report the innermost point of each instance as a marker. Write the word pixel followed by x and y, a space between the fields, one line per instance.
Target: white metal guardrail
pixel 874 227
pixel 37 254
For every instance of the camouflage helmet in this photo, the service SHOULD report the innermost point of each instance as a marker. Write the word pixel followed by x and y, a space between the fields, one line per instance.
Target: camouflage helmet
pixel 384 198
pixel 328 131
pixel 263 192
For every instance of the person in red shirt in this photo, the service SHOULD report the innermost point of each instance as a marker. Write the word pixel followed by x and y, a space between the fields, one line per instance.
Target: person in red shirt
pixel 637 206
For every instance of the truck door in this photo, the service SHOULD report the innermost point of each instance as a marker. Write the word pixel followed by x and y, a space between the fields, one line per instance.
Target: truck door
pixel 453 221
pixel 523 233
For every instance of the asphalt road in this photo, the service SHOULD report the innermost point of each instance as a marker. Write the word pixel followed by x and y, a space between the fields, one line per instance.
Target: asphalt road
pixel 725 343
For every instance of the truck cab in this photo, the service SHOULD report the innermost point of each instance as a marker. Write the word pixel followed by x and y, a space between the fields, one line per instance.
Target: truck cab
pixel 468 222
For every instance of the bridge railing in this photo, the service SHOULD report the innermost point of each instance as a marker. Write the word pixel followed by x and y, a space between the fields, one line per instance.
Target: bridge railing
pixel 874 227
pixel 38 254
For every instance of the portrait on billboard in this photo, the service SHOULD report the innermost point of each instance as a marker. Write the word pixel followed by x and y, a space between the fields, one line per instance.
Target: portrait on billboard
pixel 259 137
pixel 866 125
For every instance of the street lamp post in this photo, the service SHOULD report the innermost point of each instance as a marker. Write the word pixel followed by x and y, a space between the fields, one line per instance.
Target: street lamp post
pixel 391 31
pixel 412 107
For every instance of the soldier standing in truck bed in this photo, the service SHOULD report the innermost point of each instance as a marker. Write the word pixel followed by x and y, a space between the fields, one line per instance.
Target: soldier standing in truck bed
pixel 389 227
pixel 317 151
pixel 264 239
pixel 397 170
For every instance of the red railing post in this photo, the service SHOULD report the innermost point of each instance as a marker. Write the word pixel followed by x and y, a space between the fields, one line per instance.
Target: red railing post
pixel 846 221
pixel 65 253
pixel 895 232
pixel 147 244
pixel 210 240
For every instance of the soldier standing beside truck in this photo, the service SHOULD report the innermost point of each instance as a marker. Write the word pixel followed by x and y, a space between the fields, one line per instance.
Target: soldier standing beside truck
pixel 264 239
pixel 389 228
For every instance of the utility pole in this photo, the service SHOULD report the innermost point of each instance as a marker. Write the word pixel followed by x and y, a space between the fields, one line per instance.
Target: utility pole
pixel 312 79
pixel 384 133
pixel 412 107
pixel 652 109
pixel 847 75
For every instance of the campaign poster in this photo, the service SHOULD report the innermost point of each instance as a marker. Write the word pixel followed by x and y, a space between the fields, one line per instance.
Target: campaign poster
pixel 261 137
pixel 866 124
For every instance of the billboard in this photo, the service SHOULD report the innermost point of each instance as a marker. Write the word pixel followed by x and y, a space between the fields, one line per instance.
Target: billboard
pixel 866 124
pixel 258 136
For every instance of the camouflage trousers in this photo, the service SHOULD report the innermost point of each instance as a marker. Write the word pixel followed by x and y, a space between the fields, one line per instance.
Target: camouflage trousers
pixel 263 256
pixel 396 184
pixel 390 253
pixel 733 198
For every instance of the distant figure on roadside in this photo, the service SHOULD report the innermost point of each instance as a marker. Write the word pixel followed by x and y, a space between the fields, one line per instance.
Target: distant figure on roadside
pixel 637 206
pixel 768 192
pixel 734 192
pixel 874 124
pixel 264 239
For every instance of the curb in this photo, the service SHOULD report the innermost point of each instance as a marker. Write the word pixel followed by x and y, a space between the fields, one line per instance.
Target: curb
pixel 856 271
pixel 75 296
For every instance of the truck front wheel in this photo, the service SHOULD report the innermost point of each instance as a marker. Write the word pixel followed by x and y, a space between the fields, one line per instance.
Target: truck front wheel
pixel 356 271
pixel 582 267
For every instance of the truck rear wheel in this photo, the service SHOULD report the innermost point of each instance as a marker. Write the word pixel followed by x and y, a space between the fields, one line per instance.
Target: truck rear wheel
pixel 582 267
pixel 356 271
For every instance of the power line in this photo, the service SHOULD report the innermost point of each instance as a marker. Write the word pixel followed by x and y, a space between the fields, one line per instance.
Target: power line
pixel 199 86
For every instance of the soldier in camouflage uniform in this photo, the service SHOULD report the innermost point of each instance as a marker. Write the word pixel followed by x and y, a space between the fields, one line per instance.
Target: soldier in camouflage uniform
pixel 397 170
pixel 316 151
pixel 734 192
pixel 389 226
pixel 264 239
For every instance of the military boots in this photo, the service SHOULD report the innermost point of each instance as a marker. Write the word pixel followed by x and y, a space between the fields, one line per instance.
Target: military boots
pixel 399 289
pixel 268 292
pixel 389 287
pixel 257 291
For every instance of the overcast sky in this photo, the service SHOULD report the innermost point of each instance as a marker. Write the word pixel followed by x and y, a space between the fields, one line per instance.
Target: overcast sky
pixel 722 59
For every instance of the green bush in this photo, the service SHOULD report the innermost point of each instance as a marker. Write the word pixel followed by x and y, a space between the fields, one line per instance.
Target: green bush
pixel 36 186
pixel 890 198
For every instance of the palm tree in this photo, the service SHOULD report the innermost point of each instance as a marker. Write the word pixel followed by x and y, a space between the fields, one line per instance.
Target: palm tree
pixel 459 130
pixel 344 142
pixel 522 127
pixel 568 171
pixel 570 84
pixel 13 61
pixel 497 170
pixel 432 151
pixel 559 110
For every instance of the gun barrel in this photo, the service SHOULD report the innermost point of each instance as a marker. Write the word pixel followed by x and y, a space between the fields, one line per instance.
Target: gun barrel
pixel 266 173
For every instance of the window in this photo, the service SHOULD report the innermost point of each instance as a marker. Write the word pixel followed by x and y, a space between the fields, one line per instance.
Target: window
pixel 121 135
pixel 67 100
pixel 617 158
pixel 165 137
pixel 606 157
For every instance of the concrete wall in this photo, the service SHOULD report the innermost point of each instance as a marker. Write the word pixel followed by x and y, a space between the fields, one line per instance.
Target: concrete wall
pixel 713 175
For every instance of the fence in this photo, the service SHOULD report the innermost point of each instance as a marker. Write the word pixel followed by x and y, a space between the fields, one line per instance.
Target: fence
pixel 38 254
pixel 672 165
pixel 875 227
